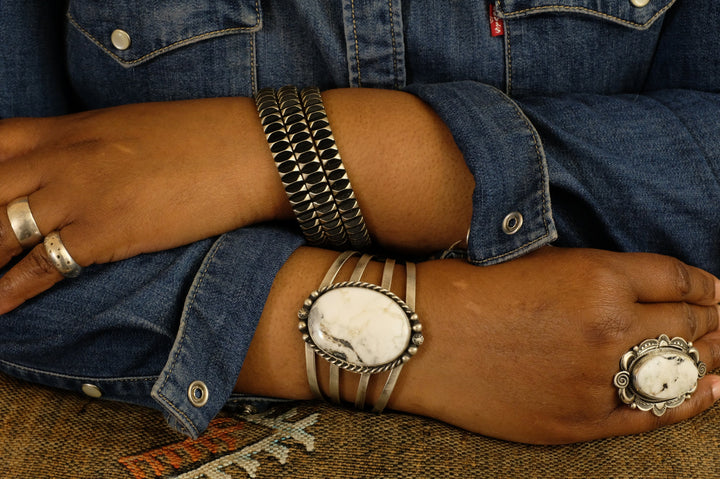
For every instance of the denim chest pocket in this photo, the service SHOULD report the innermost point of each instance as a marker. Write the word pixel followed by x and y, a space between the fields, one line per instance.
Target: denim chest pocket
pixel 603 46
pixel 166 49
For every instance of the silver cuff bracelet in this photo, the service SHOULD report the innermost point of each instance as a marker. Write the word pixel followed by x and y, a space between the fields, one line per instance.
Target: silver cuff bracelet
pixel 360 327
pixel 311 171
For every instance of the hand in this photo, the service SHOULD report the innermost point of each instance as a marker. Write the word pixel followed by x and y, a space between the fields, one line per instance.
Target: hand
pixel 128 180
pixel 524 351
pixel 527 350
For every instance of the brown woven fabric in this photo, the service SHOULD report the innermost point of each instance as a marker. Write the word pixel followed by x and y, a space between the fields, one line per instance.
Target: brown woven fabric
pixel 53 434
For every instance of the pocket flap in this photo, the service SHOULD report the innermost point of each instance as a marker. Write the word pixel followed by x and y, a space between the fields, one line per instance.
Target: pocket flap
pixel 134 31
pixel 624 12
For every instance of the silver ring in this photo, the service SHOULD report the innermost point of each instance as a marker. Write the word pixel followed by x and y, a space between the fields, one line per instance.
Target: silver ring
pixel 659 374
pixel 23 223
pixel 60 257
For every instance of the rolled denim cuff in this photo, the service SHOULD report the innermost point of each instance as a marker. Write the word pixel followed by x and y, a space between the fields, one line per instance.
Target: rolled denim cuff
pixel 221 312
pixel 512 213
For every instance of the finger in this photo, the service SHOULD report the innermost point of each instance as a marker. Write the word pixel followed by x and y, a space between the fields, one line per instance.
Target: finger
pixel 709 349
pixel 31 276
pixel 9 244
pixel 19 176
pixel 689 321
pixel 625 420
pixel 46 214
pixel 657 278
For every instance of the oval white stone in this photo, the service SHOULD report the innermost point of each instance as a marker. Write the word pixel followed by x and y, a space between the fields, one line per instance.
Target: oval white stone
pixel 359 326
pixel 665 375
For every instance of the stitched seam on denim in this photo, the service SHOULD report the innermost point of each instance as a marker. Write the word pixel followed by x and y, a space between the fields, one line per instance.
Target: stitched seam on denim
pixel 595 13
pixel 539 163
pixel 172 46
pixel 396 82
pixel 191 302
pixel 253 65
pixel 357 44
pixel 77 378
pixel 508 61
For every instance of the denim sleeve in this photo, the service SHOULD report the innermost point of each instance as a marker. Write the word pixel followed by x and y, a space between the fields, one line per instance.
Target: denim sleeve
pixel 634 172
pixel 156 329
pixel 626 172
pixel 512 213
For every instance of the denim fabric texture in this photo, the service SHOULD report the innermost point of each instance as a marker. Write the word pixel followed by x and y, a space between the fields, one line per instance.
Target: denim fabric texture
pixel 596 120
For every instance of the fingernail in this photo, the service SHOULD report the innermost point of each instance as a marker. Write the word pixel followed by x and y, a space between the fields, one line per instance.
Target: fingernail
pixel 717 290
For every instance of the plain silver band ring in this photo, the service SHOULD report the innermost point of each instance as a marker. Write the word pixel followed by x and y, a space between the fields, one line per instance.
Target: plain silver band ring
pixel 60 257
pixel 23 223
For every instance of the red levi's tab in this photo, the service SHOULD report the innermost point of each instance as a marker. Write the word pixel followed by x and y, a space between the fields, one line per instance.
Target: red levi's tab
pixel 497 27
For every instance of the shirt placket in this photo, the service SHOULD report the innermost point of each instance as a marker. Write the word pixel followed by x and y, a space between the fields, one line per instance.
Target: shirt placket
pixel 374 43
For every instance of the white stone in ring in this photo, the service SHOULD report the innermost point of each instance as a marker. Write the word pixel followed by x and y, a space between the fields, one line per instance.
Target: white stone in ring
pixel 359 326
pixel 665 375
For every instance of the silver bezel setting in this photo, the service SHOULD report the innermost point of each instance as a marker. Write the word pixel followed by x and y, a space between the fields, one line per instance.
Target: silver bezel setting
pixel 623 379
pixel 416 337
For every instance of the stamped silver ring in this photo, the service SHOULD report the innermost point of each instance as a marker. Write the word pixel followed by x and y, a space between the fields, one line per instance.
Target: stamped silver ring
pixel 23 222
pixel 60 257
pixel 659 374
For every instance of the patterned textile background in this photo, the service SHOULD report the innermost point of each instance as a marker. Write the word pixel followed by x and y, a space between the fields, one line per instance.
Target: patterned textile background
pixel 52 434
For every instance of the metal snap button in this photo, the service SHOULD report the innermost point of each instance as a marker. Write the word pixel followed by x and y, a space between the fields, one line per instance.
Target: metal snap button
pixel 120 39
pixel 92 391
pixel 640 3
pixel 198 394
pixel 512 223
pixel 249 409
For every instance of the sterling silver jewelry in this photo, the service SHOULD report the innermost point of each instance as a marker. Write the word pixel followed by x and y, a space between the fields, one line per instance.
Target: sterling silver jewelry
pixel 23 222
pixel 60 257
pixel 360 327
pixel 659 374
pixel 292 180
pixel 311 169
pixel 337 178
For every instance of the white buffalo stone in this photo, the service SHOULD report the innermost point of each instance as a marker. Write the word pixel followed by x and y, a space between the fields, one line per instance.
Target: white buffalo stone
pixel 359 326
pixel 665 375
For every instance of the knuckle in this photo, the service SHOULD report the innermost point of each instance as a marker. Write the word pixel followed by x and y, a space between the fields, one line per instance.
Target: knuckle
pixel 40 264
pixel 688 315
pixel 681 278
pixel 713 361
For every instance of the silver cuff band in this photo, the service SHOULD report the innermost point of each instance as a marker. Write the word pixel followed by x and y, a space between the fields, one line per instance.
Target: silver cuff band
pixel 60 257
pixel 23 223
pixel 311 171
pixel 347 205
pixel 360 327
pixel 287 166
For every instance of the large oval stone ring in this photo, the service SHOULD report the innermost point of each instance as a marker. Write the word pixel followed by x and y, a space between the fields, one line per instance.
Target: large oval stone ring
pixel 23 223
pixel 60 257
pixel 659 374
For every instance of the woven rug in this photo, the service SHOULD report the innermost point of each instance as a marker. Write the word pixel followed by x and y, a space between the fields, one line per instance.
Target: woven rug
pixel 53 434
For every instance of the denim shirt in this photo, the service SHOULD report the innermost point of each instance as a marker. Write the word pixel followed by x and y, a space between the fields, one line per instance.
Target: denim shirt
pixel 607 107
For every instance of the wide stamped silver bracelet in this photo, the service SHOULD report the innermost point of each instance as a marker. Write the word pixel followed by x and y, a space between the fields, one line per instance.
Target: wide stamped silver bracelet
pixel 361 328
pixel 311 171
pixel 310 167
pixel 337 178
pixel 292 180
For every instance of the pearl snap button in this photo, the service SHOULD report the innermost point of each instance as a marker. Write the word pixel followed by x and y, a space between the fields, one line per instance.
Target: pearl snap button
pixel 639 3
pixel 512 223
pixel 198 394
pixel 120 39
pixel 92 391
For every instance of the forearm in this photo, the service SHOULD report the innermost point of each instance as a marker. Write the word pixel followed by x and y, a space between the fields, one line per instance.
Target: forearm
pixel 408 175
pixel 524 350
